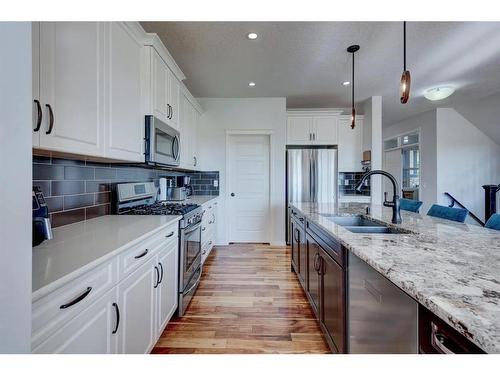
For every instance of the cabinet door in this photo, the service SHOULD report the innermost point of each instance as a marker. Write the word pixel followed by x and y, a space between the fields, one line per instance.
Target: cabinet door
pixel 136 300
pixel 325 130
pixel 125 122
pixel 167 288
pixel 295 246
pixel 173 99
pixel 302 255
pixel 72 84
pixel 350 145
pixel 194 137
pixel 313 279
pixel 37 105
pixel 159 86
pixel 186 130
pixel 299 130
pixel 90 332
pixel 332 317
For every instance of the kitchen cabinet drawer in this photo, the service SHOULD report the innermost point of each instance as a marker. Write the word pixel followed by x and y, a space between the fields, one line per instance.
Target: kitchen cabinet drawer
pixel 91 332
pixel 57 308
pixel 437 337
pixel 138 254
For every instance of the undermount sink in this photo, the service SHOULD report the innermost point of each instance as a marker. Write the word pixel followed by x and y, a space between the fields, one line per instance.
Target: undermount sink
pixel 360 224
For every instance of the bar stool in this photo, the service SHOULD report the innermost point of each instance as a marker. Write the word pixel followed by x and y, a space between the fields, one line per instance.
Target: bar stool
pixel 410 205
pixel 449 213
pixel 493 222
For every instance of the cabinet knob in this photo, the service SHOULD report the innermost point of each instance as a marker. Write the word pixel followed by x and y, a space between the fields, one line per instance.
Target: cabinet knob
pixel 232 194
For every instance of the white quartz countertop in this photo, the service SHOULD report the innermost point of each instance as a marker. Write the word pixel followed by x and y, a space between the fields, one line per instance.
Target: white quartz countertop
pixel 79 247
pixel 451 268
pixel 197 199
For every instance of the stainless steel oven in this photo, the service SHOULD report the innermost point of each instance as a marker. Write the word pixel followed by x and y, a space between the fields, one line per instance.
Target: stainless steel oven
pixel 162 143
pixel 189 260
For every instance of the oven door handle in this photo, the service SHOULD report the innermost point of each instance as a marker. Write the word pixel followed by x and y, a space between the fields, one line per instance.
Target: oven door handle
pixel 197 226
pixel 194 285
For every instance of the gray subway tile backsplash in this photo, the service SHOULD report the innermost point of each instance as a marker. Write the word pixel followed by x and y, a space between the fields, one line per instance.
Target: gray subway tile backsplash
pixel 76 190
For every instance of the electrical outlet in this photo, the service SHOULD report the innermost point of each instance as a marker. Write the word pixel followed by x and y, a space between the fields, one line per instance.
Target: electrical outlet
pixel 346 182
pixel 216 183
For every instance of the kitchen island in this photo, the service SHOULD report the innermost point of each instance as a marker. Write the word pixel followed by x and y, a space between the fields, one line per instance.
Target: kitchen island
pixel 450 268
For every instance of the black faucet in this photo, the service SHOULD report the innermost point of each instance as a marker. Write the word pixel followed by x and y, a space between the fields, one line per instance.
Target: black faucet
pixel 396 211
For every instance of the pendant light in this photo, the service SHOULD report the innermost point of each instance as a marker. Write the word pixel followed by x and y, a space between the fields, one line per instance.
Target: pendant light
pixel 352 49
pixel 405 77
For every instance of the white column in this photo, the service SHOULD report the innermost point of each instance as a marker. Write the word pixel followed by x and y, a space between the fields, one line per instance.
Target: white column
pixel 373 110
pixel 15 189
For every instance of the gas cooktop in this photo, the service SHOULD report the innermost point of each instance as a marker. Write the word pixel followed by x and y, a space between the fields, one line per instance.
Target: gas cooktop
pixel 162 209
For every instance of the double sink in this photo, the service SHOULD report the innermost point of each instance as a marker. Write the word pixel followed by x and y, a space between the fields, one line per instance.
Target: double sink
pixel 360 224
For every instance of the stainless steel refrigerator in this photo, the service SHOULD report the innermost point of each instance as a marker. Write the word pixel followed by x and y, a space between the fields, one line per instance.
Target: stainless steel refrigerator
pixel 311 176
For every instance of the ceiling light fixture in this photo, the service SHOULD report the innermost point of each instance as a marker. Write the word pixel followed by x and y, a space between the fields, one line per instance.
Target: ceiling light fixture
pixel 405 77
pixel 438 93
pixel 353 49
pixel 251 84
pixel 252 36
pixel 346 83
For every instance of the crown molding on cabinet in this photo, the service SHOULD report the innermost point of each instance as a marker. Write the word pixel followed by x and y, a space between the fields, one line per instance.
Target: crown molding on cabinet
pixel 318 111
pixel 153 40
pixel 191 98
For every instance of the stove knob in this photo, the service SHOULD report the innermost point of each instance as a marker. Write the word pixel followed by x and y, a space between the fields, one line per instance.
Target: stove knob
pixel 189 221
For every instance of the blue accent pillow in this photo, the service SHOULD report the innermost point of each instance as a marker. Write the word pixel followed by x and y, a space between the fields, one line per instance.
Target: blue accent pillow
pixel 410 204
pixel 493 222
pixel 449 213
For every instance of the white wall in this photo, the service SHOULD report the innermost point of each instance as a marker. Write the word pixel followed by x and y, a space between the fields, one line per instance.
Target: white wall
pixel 466 160
pixel 15 187
pixel 223 114
pixel 426 122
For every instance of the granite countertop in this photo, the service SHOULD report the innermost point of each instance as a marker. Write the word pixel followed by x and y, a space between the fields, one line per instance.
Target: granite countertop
pixel 197 199
pixel 79 247
pixel 451 268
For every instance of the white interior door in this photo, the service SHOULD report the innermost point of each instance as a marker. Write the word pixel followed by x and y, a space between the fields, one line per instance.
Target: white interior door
pixel 249 188
pixel 393 165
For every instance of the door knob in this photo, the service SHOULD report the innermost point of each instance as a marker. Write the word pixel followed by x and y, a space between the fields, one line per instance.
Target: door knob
pixel 232 194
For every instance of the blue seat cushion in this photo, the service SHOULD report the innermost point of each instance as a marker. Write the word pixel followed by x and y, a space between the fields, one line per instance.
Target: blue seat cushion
pixel 493 222
pixel 449 213
pixel 410 204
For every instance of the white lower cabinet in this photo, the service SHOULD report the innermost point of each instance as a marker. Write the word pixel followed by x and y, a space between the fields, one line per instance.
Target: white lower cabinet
pixel 136 300
pixel 127 318
pixel 208 229
pixel 90 332
pixel 167 291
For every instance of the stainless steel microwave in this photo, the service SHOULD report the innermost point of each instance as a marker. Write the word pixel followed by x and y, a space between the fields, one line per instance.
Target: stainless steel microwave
pixel 162 143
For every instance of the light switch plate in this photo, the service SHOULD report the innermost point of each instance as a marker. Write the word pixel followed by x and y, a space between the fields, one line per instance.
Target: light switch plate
pixel 346 182
pixel 216 183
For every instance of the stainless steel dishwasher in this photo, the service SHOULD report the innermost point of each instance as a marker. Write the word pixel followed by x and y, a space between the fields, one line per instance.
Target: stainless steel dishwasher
pixel 381 318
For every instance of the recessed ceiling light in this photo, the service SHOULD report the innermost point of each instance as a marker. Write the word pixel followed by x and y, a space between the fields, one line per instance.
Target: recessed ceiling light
pixel 438 93
pixel 251 84
pixel 252 36
pixel 346 83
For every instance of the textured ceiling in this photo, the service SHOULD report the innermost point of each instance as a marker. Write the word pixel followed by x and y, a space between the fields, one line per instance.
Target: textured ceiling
pixel 307 61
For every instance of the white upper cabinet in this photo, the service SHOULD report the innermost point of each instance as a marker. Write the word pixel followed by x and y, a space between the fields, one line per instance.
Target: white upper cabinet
pixel 164 91
pixel 312 128
pixel 159 85
pixel 125 121
pixel 325 130
pixel 299 129
pixel 350 144
pixel 87 81
pixel 189 123
pixel 173 98
pixel 71 87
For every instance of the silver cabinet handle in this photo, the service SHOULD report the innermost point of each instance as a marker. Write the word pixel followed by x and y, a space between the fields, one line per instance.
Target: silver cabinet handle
pixel 438 340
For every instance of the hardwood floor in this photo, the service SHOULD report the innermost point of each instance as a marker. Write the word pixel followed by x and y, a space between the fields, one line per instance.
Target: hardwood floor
pixel 248 301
